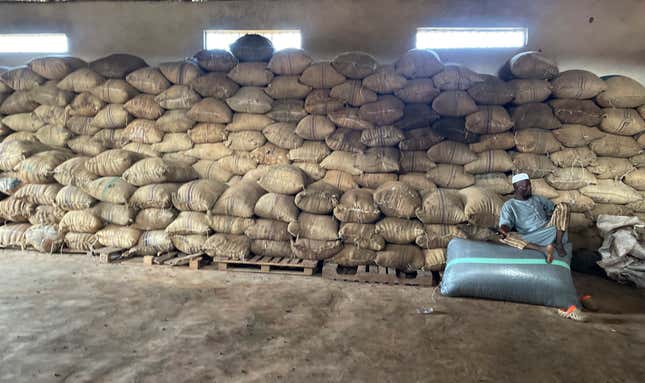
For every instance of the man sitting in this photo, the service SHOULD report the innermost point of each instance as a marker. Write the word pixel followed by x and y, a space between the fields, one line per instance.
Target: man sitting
pixel 540 225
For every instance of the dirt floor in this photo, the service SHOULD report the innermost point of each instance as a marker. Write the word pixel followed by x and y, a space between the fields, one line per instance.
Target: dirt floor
pixel 66 318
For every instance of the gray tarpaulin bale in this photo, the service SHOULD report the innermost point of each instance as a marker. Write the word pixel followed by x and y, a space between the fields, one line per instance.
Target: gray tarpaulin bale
pixel 486 270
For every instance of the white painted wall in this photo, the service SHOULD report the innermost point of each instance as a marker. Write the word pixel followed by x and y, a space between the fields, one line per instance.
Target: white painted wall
pixel 159 31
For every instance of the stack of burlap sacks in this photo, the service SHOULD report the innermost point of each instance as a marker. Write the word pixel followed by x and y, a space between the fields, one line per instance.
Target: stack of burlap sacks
pixel 256 152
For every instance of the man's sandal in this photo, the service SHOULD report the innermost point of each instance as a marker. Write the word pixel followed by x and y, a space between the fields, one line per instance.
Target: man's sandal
pixel 572 313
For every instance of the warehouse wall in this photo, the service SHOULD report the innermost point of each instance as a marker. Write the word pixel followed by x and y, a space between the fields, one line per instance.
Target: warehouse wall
pixel 611 42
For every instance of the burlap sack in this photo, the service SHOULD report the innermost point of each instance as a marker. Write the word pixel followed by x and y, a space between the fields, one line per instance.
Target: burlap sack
pixel 343 161
pixel 117 65
pixel 341 180
pixel 239 163
pixel 451 152
pixel 229 225
pixel 382 136
pixel 415 161
pixel 361 235
pixel 489 162
pixel 353 256
pixel 81 80
pixel 454 103
pixel 157 170
pixel 180 72
pixel 491 91
pixel 419 91
pixel 154 219
pixel 199 195
pixel 438 236
pixel 417 63
pixel 44 238
pixel 211 151
pixel 349 118
pixel 532 64
pixel 152 243
pixel 116 214
pixel 495 182
pixel 13 235
pixel 450 176
pixel 239 200
pixel 268 248
pixel 112 162
pixel 344 139
pixel 210 110
pixel 268 229
pixel 610 209
pixel 577 157
pixel 9 183
pixel 399 231
pixel 269 154
pixel 73 172
pixel 583 112
pixel 114 91
pixel 622 92
pixel 17 102
pixel 638 160
pixel 144 106
pixel 148 80
pixel 245 140
pixel 540 187
pixel 188 244
pixel 173 142
pixel 82 126
pixel 578 84
pixel 21 78
pixel 608 191
pixel 276 206
pixel 442 207
pixel 626 122
pixel 215 60
pixel 379 160
pixel 576 201
pixel 419 182
pixel 52 115
pixel 318 198
pixel 229 246
pixel 252 47
pixel 314 226
pixel 610 167
pixel 287 87
pixel 397 199
pixel 312 170
pixel 289 62
pixel 38 194
pixel 175 121
pixel 401 257
pixel 385 111
pixel 321 75
pixel 612 145
pixel 454 129
pixel 536 166
pixel 109 189
pixel 123 237
pixel 539 141
pixel 23 122
pixel 80 221
pixel 489 119
pixel 419 139
pixel 284 179
pixel 305 248
pixel 635 179
pixel 287 111
pixel 47 215
pixel 384 80
pixel 39 168
pixel 572 135
pixel 73 198
pixel 206 133
pixel 357 206
pixel 178 97
pixel 315 127
pixel 14 152
pixel 374 180
pixel 49 94
pixel 54 135
pixel 250 99
pixel 81 241
pixel 143 132
pixel 355 65
pixel 87 105
pixel 187 223
pixel 319 101
pixel 526 91
pixel 481 206
pixel 157 196
pixel 215 84
pixel 456 77
pixel 570 178
pixel 417 116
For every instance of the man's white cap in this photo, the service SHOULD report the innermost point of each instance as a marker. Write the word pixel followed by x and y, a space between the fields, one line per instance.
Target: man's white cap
pixel 519 177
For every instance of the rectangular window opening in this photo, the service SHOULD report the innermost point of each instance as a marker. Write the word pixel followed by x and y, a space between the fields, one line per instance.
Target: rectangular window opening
pixel 280 38
pixel 460 38
pixel 33 43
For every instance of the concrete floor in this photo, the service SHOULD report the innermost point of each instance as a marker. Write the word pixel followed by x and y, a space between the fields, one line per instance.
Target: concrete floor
pixel 65 318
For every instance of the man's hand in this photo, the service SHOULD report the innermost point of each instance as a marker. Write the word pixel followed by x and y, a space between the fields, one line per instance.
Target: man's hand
pixel 503 232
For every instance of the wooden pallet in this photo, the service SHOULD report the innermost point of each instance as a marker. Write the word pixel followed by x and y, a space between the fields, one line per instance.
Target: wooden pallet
pixel 107 254
pixel 378 274
pixel 271 265
pixel 194 261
